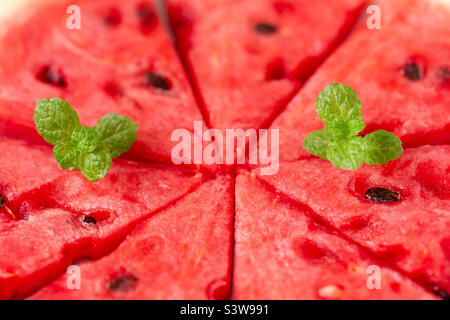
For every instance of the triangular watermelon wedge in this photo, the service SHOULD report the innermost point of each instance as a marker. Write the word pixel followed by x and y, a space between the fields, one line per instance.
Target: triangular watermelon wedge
pixel 400 73
pixel 282 253
pixel 184 252
pixel 410 234
pixel 132 69
pixel 67 218
pixel 247 58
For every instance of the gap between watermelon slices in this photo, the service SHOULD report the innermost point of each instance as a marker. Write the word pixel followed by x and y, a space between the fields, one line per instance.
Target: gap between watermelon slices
pixel 408 235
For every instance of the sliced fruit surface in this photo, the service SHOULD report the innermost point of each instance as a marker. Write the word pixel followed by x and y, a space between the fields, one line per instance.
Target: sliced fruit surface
pixel 398 212
pixel 399 73
pixel 25 167
pixel 282 253
pixel 131 69
pixel 183 252
pixel 47 224
pixel 247 58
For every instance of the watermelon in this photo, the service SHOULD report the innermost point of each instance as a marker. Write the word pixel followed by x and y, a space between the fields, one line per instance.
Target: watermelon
pixel 248 58
pixel 149 85
pixel 410 235
pixel 282 253
pixel 400 74
pixel 183 252
pixel 66 219
pixel 152 230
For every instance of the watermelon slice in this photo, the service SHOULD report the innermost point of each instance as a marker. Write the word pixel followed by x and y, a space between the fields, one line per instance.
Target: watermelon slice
pixel 247 58
pixel 410 234
pixel 68 219
pixel 401 75
pixel 184 252
pixel 282 253
pixel 132 69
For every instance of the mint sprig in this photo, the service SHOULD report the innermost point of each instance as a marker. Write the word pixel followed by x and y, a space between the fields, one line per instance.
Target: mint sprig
pixel 340 109
pixel 83 148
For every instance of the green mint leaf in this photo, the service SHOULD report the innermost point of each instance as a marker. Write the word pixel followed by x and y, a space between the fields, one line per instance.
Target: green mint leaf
pixel 339 107
pixel 66 156
pixel 117 133
pixel 85 139
pixel 345 129
pixel 382 147
pixel 317 142
pixel 95 165
pixel 347 153
pixel 55 120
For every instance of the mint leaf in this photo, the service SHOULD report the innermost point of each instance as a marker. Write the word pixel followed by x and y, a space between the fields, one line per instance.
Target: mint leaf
pixel 317 142
pixel 345 129
pixel 339 107
pixel 382 147
pixel 95 165
pixel 347 153
pixel 85 139
pixel 117 133
pixel 85 148
pixel 55 120
pixel 66 156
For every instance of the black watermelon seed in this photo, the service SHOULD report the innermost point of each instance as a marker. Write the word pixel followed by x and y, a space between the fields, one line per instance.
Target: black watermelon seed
pixel 124 283
pixel 441 292
pixel 89 219
pixel 382 194
pixel 2 201
pixel 444 73
pixel 413 71
pixel 265 28
pixel 157 81
pixel 113 18
pixel 147 17
pixel 55 78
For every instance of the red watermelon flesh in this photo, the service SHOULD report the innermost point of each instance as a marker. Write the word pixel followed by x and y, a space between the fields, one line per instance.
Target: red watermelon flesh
pixel 184 252
pixel 132 69
pixel 411 235
pixel 24 167
pixel 69 218
pixel 373 63
pixel 247 58
pixel 281 253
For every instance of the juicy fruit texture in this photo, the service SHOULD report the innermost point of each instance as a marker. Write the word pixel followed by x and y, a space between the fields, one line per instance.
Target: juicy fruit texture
pixel 161 232
pixel 184 252
pixel 304 260
pixel 266 46
pixel 97 75
pixel 410 234
pixel 69 219
pixel 414 107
